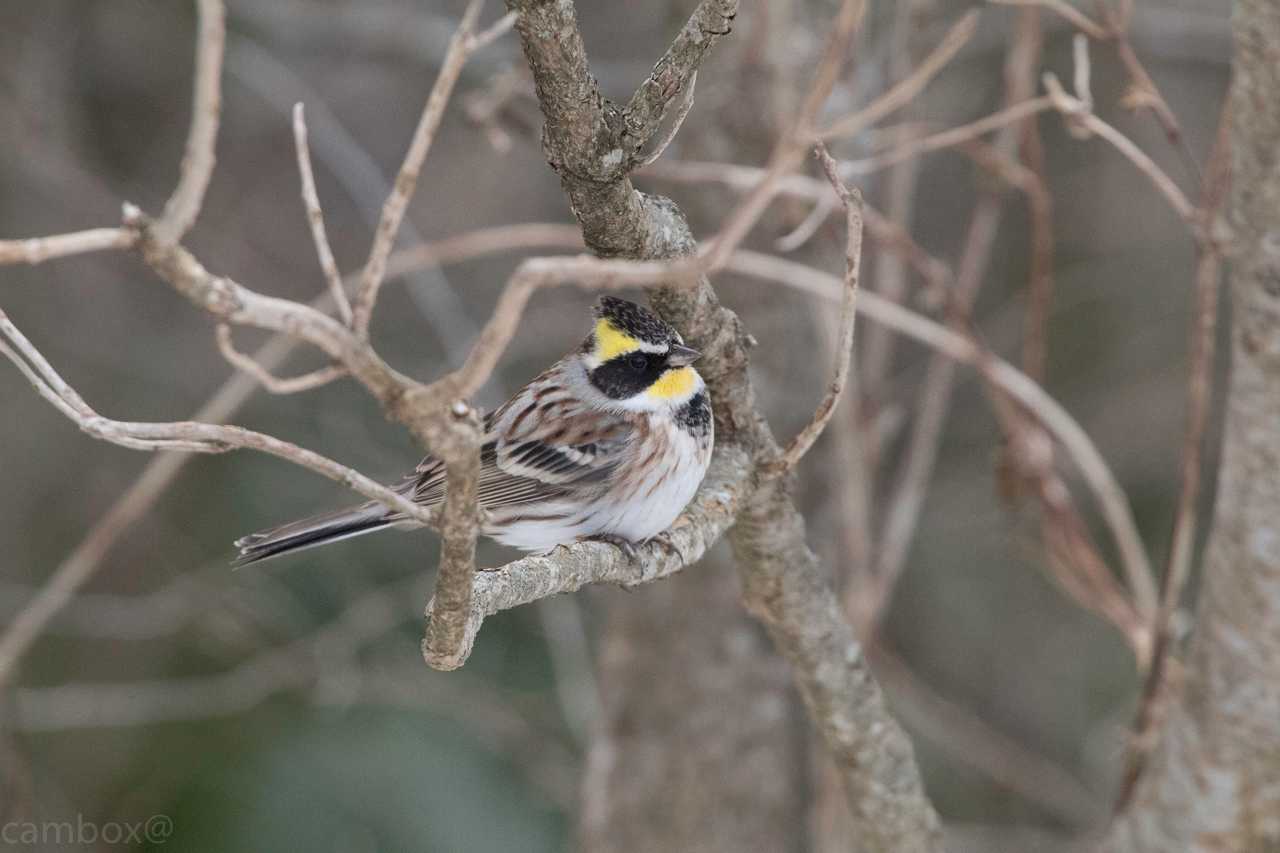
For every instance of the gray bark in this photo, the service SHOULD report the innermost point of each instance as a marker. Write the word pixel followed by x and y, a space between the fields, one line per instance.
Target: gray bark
pixel 1213 781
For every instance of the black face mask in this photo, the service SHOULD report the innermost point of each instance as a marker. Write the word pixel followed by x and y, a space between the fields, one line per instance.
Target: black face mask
pixel 629 374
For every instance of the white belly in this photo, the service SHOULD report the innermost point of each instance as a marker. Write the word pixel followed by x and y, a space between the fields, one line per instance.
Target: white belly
pixel 634 507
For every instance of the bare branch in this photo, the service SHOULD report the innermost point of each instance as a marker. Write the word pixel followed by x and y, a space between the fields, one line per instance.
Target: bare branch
pixel 416 406
pixel 808 227
pixel 493 32
pixel 446 643
pixel 789 151
pixel 852 201
pixel 905 90
pixel 686 104
pixel 1078 110
pixel 183 207
pixel 234 691
pixel 674 73
pixel 947 138
pixel 1159 688
pixel 315 216
pixel 934 400
pixel 189 435
pixel 37 250
pixel 463 44
pixel 1084 454
pixel 1070 13
pixel 743 178
pixel 264 377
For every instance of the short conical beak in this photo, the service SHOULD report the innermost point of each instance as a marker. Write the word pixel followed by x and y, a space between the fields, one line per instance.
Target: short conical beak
pixel 680 355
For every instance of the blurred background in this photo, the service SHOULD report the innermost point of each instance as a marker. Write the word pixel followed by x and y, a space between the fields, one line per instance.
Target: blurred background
pixel 286 706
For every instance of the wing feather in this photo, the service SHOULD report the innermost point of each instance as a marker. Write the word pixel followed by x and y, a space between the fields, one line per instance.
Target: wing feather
pixel 527 461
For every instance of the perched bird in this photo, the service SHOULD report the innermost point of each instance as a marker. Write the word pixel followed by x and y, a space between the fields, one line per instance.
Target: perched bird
pixel 609 443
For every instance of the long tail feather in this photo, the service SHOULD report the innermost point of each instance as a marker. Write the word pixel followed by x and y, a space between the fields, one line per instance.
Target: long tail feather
pixel 310 532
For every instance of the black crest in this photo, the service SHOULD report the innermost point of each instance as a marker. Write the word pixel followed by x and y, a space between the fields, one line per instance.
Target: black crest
pixel 640 323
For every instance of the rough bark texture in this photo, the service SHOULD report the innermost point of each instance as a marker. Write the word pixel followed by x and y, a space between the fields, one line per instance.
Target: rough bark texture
pixel 1214 783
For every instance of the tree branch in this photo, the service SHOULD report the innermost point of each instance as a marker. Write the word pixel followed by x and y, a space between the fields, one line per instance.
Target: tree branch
pixel 264 377
pixel 674 73
pixel 446 643
pixel 315 217
pixel 184 435
pixel 183 207
pixel 464 43
pixel 852 202
pixel 37 250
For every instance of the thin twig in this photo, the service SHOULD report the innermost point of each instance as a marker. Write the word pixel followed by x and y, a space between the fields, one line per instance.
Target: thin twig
pixel 187 435
pixel 934 396
pixel 183 207
pixel 1158 689
pixel 906 90
pixel 887 234
pixel 934 400
pixel 851 199
pixel 890 272
pixel 289 666
pixel 946 139
pixel 789 151
pixel 264 377
pixel 1030 181
pixel 1097 475
pixel 315 216
pixel 37 250
pixel 1073 559
pixel 460 49
pixel 1070 13
pixel 959 732
pixel 1076 110
pixel 803 233
pixel 493 32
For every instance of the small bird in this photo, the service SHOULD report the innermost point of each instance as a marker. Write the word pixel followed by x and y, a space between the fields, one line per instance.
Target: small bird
pixel 610 443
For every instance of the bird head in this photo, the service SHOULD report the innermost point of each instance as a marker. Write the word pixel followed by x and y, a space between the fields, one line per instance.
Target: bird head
pixel 637 360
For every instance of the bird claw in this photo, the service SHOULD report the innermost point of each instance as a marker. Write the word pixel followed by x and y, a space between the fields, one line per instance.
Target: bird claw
pixel 626 546
pixel 666 543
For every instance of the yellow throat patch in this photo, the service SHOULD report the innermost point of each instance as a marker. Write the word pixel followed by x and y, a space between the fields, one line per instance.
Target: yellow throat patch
pixel 673 384
pixel 612 341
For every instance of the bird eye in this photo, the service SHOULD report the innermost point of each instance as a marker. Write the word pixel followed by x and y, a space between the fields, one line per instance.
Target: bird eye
pixel 638 362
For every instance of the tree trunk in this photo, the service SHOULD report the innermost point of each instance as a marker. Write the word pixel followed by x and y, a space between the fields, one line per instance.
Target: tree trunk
pixel 1214 782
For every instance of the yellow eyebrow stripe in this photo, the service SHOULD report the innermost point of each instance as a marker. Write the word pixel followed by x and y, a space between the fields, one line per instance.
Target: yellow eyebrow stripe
pixel 612 341
pixel 673 384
